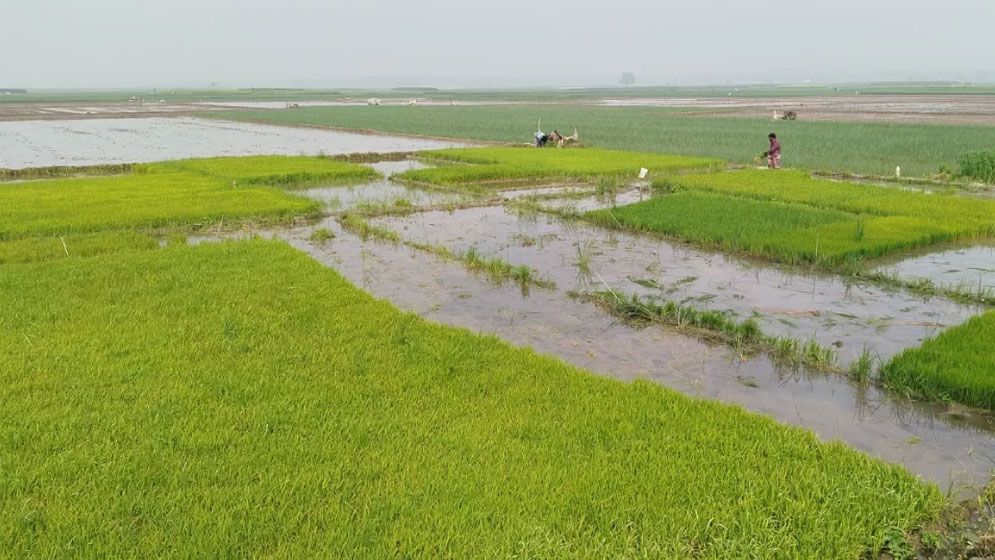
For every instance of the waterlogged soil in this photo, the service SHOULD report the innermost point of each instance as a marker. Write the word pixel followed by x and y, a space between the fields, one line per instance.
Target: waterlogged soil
pixel 126 140
pixel 847 317
pixel 951 447
pixel 967 268
pixel 382 191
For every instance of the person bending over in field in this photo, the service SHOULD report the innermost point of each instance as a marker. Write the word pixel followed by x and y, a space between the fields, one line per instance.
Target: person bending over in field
pixel 773 155
pixel 542 138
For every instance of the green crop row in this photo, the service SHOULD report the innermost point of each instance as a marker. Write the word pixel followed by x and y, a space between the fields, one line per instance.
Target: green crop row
pixel 799 187
pixel 790 217
pixel 959 365
pixel 280 171
pixel 479 166
pixel 858 147
pixel 168 194
pixel 54 248
pixel 242 400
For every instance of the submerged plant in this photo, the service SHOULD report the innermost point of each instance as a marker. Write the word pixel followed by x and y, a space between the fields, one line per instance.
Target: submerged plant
pixel 745 335
pixel 321 236
pixel 863 367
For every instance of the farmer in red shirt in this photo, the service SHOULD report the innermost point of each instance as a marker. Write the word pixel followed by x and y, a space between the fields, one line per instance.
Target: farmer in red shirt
pixel 773 155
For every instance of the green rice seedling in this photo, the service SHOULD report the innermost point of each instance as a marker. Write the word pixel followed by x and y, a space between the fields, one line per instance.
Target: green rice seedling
pixel 712 324
pixel 867 148
pixel 294 391
pixel 585 252
pixel 362 227
pixel 500 270
pixel 607 190
pixel 86 245
pixel 789 217
pixel 137 201
pixel 276 171
pixel 321 236
pixel 62 171
pixel 863 367
pixel 497 167
pixel 957 364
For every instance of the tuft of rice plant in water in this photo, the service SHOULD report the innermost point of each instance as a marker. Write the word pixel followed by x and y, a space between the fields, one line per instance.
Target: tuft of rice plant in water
pixel 500 271
pixel 360 226
pixel 745 334
pixel 584 251
pixel 861 369
pixel 321 236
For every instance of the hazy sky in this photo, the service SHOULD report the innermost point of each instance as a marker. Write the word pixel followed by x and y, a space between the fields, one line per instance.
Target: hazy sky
pixel 239 43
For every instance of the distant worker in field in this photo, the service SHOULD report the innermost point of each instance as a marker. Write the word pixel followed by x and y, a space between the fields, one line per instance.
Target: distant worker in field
pixel 541 138
pixel 773 154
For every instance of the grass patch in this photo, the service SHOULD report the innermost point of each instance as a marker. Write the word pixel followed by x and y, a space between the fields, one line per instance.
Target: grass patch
pixel 56 248
pixel 500 270
pixel 790 217
pixel 859 147
pixel 256 403
pixel 156 195
pixel 321 236
pixel 30 173
pixel 274 171
pixel 959 365
pixel 483 166
pixel 717 325
pixel 978 165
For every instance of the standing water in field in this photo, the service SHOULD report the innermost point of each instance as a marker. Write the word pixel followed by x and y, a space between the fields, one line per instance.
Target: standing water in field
pixel 107 141
pixel 383 192
pixel 850 318
pixel 971 269
pixel 949 446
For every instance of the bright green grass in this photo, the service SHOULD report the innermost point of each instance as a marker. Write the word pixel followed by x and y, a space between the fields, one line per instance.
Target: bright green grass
pixel 187 192
pixel 56 248
pixel 799 187
pixel 282 171
pixel 958 364
pixel 875 148
pixel 91 204
pixel 241 400
pixel 476 166
pixel 790 217
pixel 738 225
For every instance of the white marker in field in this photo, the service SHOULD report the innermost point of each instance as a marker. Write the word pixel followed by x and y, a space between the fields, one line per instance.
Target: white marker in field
pixel 898 172
pixel 642 172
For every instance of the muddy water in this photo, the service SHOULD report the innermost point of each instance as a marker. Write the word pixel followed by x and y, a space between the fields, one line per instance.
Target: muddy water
pixel 106 141
pixel 847 317
pixel 381 191
pixel 967 268
pixel 952 450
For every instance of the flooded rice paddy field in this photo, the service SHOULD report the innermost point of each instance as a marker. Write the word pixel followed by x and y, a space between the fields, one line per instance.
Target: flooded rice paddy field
pixel 851 318
pixel 971 268
pixel 950 445
pixel 136 140
pixel 946 444
pixel 382 191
